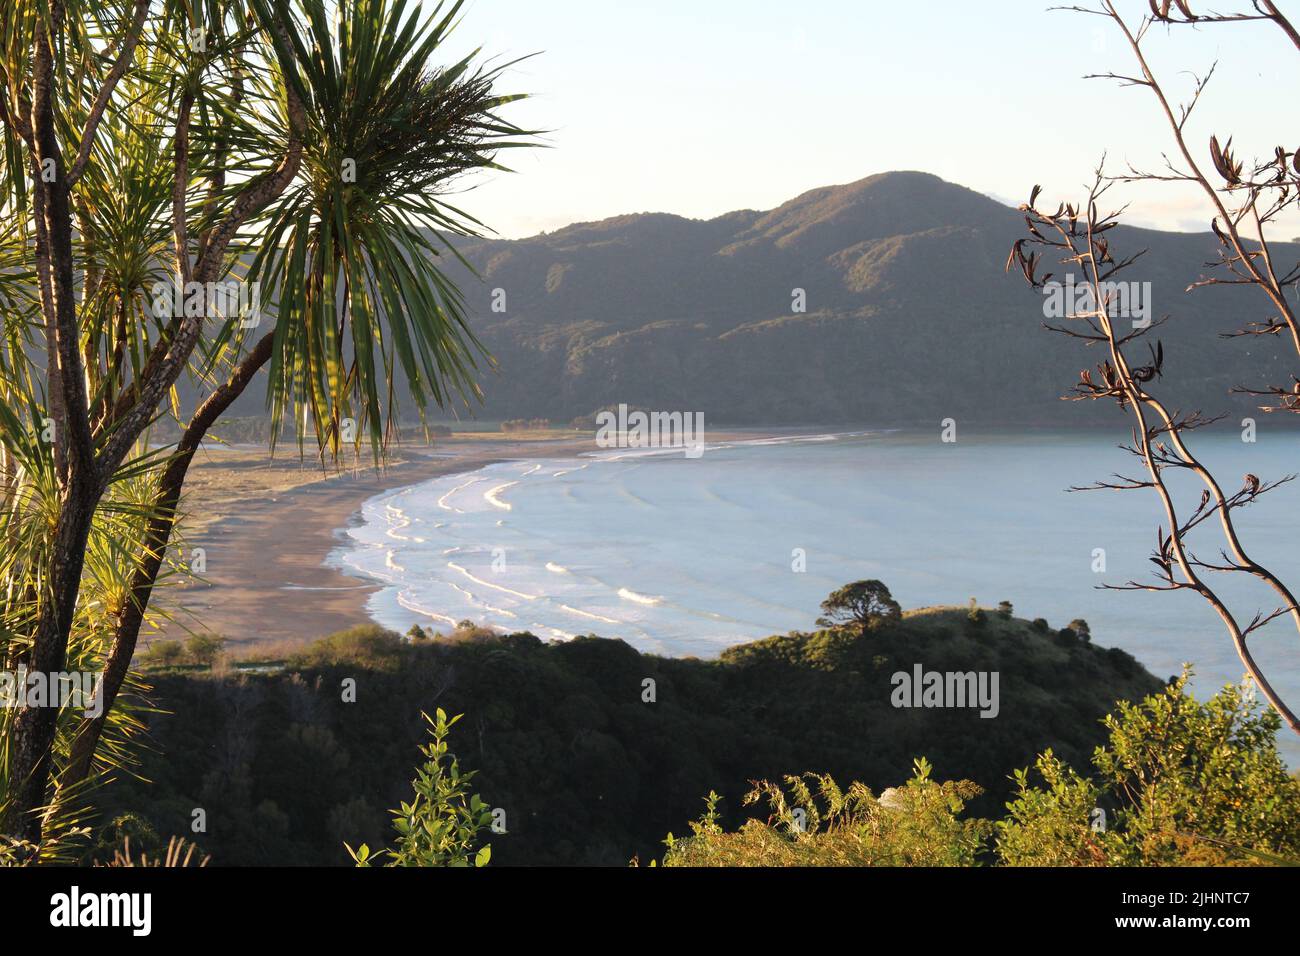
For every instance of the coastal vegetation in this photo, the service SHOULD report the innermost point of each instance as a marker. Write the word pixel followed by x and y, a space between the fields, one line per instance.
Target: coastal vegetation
pixel 230 223
pixel 172 177
pixel 441 824
pixel 288 764
pixel 1176 783
pixel 572 764
pixel 665 312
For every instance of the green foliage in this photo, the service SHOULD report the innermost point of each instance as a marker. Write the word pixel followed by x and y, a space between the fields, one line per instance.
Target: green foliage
pixel 357 244
pixel 1181 783
pixel 123 831
pixel 367 645
pixel 204 649
pixel 355 106
pixel 1053 825
pixel 865 603
pixel 198 650
pixel 440 826
pixel 822 825
pixel 164 653
pixel 586 772
pixel 30 501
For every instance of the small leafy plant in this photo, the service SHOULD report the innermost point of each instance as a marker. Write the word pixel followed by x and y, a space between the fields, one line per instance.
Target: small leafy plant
pixel 442 824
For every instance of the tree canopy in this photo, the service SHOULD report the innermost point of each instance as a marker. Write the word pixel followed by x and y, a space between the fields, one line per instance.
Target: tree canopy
pixel 862 603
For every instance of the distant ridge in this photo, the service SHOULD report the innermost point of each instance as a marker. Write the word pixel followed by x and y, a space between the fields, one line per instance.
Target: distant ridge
pixel 909 318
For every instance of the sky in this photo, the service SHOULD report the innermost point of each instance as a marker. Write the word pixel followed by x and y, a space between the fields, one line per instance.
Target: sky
pixel 699 108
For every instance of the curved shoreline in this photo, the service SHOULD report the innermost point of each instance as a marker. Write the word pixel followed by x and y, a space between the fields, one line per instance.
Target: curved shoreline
pixel 269 579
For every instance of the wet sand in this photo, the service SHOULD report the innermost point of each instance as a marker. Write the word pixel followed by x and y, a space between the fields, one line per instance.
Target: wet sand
pixel 266 530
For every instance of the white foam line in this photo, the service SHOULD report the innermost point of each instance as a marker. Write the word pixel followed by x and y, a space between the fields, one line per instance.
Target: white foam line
pixel 557 568
pixel 474 600
pixel 488 584
pixel 442 502
pixel 412 606
pixel 492 499
pixel 406 523
pixel 569 471
pixel 594 617
pixel 628 594
pixel 565 635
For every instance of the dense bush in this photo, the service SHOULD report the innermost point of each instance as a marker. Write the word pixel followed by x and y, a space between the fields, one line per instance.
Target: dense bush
pixel 1178 783
pixel 918 824
pixel 288 764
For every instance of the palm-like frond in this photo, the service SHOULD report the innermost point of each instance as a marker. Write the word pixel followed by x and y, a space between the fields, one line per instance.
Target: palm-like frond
pixel 348 257
pixel 353 250
pixel 28 511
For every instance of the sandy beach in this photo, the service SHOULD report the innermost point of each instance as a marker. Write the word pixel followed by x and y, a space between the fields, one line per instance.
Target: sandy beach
pixel 265 529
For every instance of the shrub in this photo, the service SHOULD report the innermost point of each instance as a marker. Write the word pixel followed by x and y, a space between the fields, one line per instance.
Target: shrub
pixel 204 648
pixel 917 824
pixel 1066 637
pixel 367 645
pixel 1179 783
pixel 526 425
pixel 442 823
pixel 1188 784
pixel 164 653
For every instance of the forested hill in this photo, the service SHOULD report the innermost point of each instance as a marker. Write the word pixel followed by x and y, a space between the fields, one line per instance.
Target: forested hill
pixel 909 316
pixel 565 740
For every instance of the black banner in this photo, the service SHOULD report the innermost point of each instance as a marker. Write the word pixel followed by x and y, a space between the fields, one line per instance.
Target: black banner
pixel 215 905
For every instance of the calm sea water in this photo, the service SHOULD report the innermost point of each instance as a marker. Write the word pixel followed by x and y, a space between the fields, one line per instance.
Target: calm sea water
pixel 686 556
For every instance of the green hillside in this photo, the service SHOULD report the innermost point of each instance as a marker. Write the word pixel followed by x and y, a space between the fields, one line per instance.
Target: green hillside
pixel 909 317
pixel 585 768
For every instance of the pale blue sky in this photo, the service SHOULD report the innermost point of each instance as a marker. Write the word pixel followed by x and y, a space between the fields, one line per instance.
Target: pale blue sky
pixel 698 108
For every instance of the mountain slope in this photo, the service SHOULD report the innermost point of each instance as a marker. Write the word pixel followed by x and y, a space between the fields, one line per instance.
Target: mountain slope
pixel 909 316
